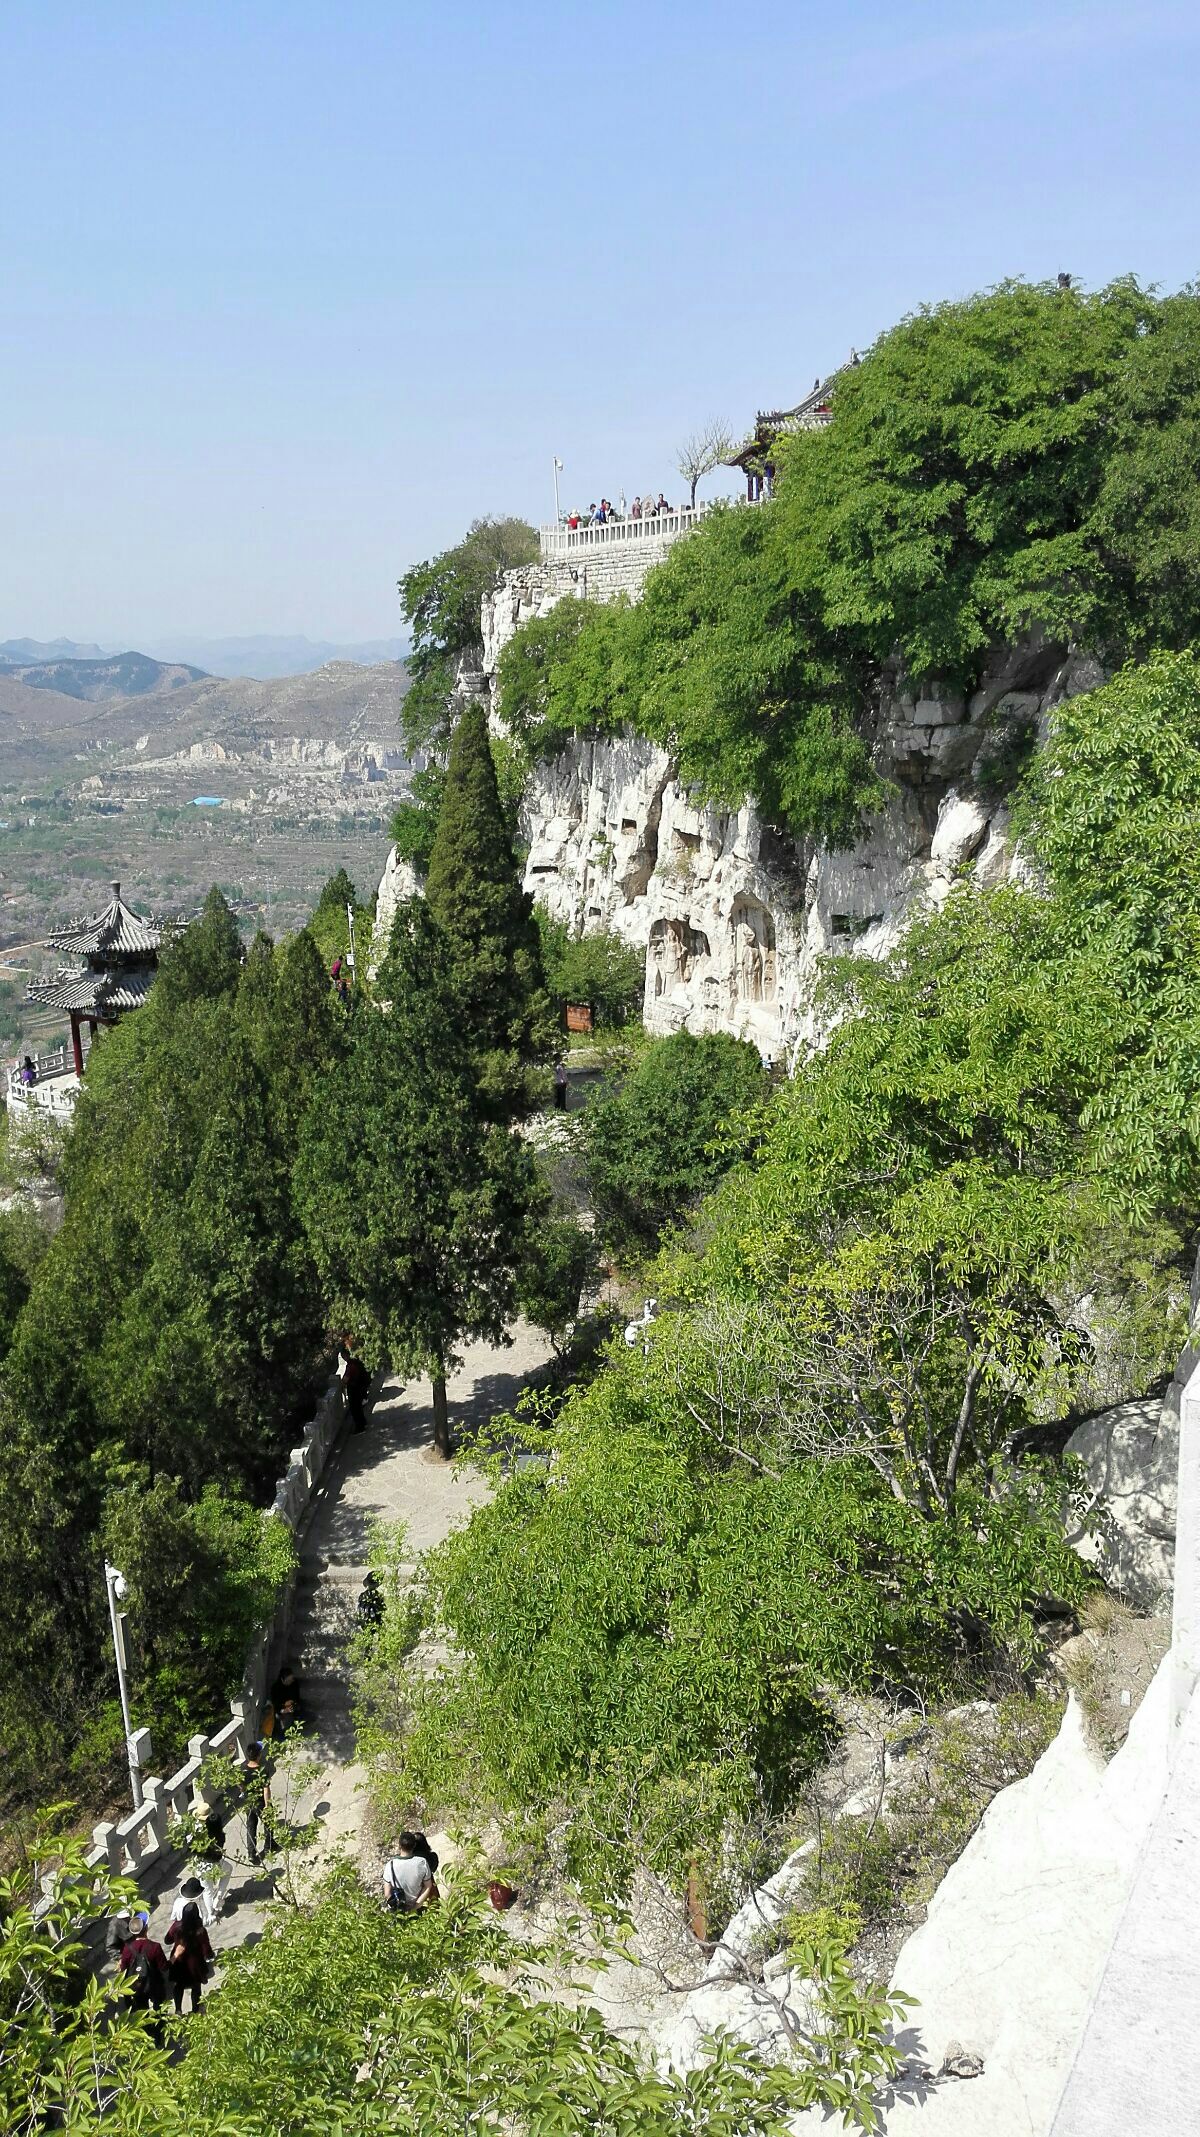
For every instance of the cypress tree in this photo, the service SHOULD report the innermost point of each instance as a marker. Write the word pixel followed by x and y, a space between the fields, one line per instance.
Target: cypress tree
pixel 415 1205
pixel 474 893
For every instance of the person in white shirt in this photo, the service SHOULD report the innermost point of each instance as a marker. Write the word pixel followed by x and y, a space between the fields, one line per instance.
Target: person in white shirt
pixel 407 1878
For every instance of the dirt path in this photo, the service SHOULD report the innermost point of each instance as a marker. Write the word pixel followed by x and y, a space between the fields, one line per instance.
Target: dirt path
pixel 390 1473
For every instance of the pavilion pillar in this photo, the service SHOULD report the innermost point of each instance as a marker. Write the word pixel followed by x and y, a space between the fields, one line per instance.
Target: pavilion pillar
pixel 76 1043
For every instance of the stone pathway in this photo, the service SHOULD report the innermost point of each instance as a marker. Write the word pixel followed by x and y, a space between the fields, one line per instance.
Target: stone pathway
pixel 389 1473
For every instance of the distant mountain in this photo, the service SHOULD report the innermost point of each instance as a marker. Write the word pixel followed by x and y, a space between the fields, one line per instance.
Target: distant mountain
pixel 266 657
pixel 19 652
pixel 122 675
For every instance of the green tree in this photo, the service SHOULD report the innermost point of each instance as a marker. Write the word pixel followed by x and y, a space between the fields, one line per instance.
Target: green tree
pixel 1113 801
pixel 653 1142
pixel 414 1204
pixel 70 2060
pixel 205 960
pixel 441 600
pixel 488 931
pixel 599 969
pixel 415 822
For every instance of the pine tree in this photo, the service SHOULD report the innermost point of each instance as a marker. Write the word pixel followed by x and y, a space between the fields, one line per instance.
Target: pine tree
pixel 415 1204
pixel 474 893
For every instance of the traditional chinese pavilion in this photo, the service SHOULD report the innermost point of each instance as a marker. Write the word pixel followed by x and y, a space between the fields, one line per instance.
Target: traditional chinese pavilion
pixel 119 953
pixel 756 458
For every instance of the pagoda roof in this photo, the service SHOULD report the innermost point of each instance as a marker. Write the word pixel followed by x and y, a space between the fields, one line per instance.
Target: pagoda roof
pixel 812 413
pixel 93 994
pixel 116 932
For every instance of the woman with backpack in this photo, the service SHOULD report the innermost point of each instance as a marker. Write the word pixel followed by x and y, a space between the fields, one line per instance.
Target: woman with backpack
pixel 189 1956
pixel 408 1882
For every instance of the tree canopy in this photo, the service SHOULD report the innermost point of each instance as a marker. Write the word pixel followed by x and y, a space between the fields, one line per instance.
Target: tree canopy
pixel 488 932
pixel 1026 460
pixel 441 600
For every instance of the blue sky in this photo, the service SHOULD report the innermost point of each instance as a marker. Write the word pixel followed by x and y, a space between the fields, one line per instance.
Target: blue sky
pixel 290 293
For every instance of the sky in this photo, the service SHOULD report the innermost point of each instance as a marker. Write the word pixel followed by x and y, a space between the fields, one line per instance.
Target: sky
pixel 292 293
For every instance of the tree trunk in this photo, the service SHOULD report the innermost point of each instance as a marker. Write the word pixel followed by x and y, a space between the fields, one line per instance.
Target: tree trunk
pixel 441 1418
pixel 695 480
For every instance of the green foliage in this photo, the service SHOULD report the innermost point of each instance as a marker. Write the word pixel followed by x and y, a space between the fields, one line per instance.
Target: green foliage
pixel 441 600
pixel 203 1578
pixel 68 2056
pixel 599 968
pixel 329 926
pixel 204 962
pixel 1113 802
pixel 175 1325
pixel 487 928
pixel 414 1202
pixel 1023 460
pixel 652 1142
pixel 415 821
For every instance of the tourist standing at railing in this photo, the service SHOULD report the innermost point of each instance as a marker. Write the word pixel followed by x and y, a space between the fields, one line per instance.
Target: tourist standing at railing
pixel 28 1072
pixel 635 509
pixel 572 519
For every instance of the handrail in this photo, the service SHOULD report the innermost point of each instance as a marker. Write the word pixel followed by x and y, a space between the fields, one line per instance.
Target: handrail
pixel 601 534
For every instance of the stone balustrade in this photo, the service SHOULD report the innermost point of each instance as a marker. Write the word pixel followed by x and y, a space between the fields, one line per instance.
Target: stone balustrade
pixel 135 1840
pixel 665 527
pixel 55 1088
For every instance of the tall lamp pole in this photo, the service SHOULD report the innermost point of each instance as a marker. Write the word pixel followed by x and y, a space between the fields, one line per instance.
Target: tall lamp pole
pixel 557 470
pixel 116 1584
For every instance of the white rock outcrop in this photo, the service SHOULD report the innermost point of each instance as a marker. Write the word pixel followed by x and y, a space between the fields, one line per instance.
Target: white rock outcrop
pixel 733 916
pixel 398 882
pixel 1130 1456
pixel 1004 1969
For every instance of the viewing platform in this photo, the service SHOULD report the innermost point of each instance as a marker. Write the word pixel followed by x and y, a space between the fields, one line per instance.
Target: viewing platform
pixel 657 527
pixel 53 1089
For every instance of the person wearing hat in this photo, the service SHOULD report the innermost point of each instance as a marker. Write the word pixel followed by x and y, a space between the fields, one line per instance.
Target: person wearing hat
pixel 194 1888
pixel 145 1960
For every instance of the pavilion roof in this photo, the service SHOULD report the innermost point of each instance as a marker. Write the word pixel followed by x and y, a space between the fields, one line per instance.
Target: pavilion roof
pixel 117 931
pixel 812 413
pixel 95 994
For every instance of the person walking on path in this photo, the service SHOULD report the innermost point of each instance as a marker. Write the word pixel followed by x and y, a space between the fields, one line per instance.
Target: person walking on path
pixel 356 1380
pixel 146 1961
pixel 256 1795
pixel 408 1885
pixel 190 1956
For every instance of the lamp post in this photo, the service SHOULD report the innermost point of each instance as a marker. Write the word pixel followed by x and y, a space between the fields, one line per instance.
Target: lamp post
pixel 557 471
pixel 350 953
pixel 115 1583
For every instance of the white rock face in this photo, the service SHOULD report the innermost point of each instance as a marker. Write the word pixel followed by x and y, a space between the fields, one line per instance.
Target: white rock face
pixel 1007 1963
pixel 734 917
pixel 398 882
pixel 1131 1456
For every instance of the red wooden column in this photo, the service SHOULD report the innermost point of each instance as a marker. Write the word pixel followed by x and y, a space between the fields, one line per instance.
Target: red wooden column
pixel 76 1043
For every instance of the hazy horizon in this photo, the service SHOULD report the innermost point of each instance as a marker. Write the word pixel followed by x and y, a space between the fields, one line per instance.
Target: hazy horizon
pixel 293 294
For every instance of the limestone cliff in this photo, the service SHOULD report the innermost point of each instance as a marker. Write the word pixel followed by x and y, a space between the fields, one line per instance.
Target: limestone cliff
pixel 733 916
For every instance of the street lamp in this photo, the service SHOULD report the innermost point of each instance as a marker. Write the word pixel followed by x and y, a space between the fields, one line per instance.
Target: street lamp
pixel 557 472
pixel 117 1587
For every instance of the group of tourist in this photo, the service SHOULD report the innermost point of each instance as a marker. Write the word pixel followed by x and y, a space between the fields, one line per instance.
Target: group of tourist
pixel 647 507
pixel 183 1961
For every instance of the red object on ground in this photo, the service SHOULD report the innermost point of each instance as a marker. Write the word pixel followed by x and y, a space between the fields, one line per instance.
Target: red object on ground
pixel 501 1895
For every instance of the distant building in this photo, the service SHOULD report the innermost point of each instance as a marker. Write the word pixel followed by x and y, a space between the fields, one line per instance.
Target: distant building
pixel 756 458
pixel 119 952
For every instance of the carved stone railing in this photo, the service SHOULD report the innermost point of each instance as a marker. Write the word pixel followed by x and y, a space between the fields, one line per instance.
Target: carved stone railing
pixel 563 541
pixel 55 1086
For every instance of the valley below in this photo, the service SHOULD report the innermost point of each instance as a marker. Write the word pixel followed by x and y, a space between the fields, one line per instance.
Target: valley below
pixel 265 788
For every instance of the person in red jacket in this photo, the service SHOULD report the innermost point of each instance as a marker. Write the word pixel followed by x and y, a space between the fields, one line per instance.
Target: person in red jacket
pixel 189 1956
pixel 146 1961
